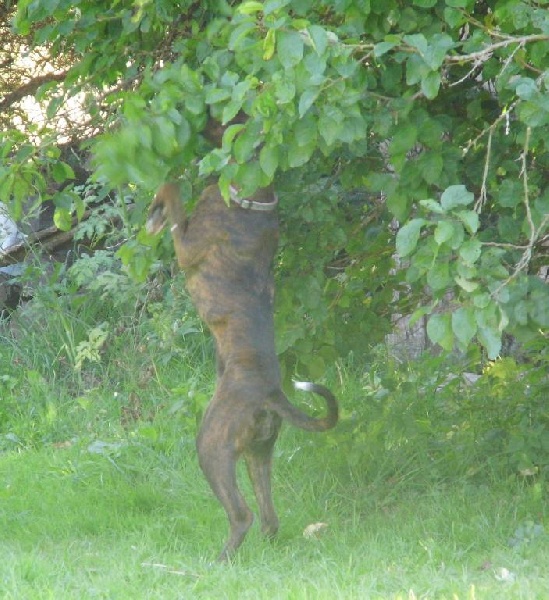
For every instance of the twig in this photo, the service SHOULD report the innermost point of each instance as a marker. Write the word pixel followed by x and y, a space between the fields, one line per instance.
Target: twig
pixel 476 65
pixel 535 233
pixel 492 127
pixel 482 54
pixel 483 188
pixel 506 245
pixel 525 182
pixel 169 570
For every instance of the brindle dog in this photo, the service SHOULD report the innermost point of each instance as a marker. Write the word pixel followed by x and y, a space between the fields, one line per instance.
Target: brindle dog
pixel 227 252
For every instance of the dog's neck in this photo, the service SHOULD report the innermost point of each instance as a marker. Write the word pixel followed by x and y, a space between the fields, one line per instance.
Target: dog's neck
pixel 256 203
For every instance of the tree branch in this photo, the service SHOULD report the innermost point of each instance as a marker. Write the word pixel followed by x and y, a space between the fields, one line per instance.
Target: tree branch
pixel 486 52
pixel 30 88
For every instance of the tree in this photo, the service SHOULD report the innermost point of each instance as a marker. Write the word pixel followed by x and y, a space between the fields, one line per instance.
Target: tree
pixel 430 117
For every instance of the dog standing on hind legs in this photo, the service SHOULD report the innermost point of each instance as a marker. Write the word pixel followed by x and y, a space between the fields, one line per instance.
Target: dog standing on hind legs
pixel 227 253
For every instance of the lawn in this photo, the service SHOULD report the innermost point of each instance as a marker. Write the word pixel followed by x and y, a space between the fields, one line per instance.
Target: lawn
pixel 422 491
pixel 89 520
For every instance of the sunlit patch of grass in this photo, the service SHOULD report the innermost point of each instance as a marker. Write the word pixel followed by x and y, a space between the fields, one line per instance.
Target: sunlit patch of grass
pixel 126 522
pixel 101 495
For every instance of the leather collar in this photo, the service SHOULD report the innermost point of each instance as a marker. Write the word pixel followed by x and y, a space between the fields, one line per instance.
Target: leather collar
pixel 251 204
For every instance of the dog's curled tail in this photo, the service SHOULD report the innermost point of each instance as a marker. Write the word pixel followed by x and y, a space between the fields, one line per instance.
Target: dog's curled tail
pixel 298 418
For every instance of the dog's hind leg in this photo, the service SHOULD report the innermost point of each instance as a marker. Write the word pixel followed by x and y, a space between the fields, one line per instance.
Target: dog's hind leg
pixel 259 462
pixel 218 463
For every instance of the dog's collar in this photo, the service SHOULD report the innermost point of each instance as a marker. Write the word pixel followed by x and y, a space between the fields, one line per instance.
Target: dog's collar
pixel 251 204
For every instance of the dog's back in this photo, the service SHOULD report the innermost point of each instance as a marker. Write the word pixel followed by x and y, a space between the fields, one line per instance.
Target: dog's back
pixel 233 275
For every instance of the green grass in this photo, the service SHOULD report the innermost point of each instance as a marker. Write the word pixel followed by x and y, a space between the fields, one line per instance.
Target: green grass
pixel 101 495
pixel 135 524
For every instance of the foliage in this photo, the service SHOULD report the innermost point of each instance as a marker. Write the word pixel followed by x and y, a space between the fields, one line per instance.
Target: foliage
pixel 466 424
pixel 109 361
pixel 435 111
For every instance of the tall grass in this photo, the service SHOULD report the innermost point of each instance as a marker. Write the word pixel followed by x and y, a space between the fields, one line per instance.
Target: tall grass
pixel 420 490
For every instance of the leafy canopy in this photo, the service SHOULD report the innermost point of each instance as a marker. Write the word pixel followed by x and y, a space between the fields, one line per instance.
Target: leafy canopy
pixel 432 115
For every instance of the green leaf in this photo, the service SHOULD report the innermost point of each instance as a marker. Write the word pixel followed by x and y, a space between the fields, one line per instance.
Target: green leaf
pixel 214 95
pixel 491 340
pixel 271 6
pixel 319 38
pixel 521 312
pixel 284 90
pixel 403 139
pixel 510 193
pixel 539 304
pixel 466 284
pixel 383 47
pixel 531 115
pixel 454 17
pixel 229 135
pixel 53 106
pixel 435 54
pixel 398 203
pixel 330 125
pixel 250 7
pixel 418 314
pixel 464 325
pixel 164 138
pixel 250 177
pixel 431 165
pixel 432 206
pixel 240 33
pixel 306 131
pixel 470 219
pixel 466 271
pixel 430 84
pixel 61 172
pixel 290 47
pixel 439 330
pixel 307 100
pixel 470 251
pixel 438 276
pixel 526 88
pixel 481 300
pixel 408 236
pixel 416 69
pixel 455 195
pixel 62 219
pixel 269 45
pixel 417 41
pixel 316 66
pixel 444 232
pixel 268 160
pixel 246 143
pixel 298 155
